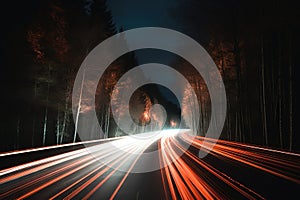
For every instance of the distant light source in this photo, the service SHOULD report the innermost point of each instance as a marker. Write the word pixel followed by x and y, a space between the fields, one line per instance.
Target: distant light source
pixel 146 116
pixel 173 123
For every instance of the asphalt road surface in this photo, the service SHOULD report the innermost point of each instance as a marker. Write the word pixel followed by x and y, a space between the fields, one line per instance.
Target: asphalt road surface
pixel 117 169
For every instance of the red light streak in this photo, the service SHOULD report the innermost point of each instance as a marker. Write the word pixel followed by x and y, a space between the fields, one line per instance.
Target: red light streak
pixel 183 174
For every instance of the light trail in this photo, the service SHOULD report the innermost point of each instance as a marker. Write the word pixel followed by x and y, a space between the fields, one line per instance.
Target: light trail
pixel 84 173
pixel 181 181
pixel 18 152
pixel 271 161
pixel 31 178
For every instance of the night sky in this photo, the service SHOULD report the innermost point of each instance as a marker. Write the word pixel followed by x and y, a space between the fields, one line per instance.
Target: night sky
pixel 135 13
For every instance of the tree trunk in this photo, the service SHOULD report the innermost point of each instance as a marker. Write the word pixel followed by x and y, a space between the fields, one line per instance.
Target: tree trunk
pixel 264 114
pixel 237 58
pixel 18 133
pixel 46 115
pixel 33 132
pixel 107 121
pixel 229 121
pixel 280 96
pixel 65 117
pixel 236 126
pixel 57 127
pixel 34 117
pixel 79 107
pixel 290 95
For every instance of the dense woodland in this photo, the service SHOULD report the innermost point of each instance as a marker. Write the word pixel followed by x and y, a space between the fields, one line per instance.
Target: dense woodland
pixel 253 43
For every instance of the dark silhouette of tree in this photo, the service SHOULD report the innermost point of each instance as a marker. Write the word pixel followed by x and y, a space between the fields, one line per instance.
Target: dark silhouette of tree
pixel 55 37
pixel 250 43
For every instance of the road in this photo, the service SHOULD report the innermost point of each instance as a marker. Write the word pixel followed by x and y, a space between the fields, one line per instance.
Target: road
pixel 108 170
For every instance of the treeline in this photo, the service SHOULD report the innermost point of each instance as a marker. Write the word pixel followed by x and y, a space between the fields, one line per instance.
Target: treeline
pixel 254 45
pixel 43 53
